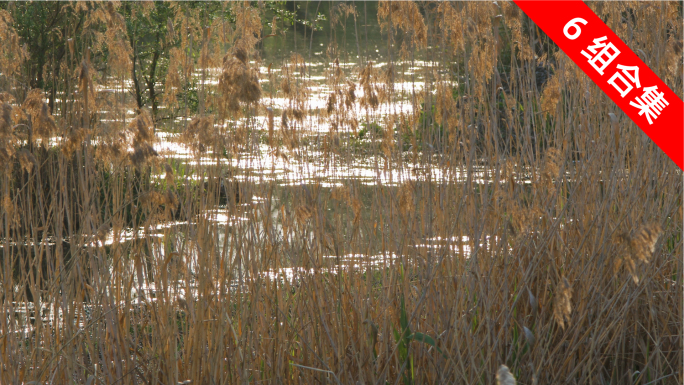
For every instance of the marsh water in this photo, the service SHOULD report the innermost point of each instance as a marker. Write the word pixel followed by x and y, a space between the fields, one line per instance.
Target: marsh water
pixel 271 181
pixel 290 176
pixel 329 157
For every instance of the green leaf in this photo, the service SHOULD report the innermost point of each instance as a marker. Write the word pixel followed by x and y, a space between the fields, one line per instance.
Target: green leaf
pixel 403 318
pixel 426 339
pixel 397 337
pixel 420 337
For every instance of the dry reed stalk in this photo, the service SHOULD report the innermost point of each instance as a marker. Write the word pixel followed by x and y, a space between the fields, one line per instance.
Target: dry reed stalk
pixel 74 141
pixel 562 307
pixel 271 124
pixel 369 100
pixel 169 176
pixel 551 96
pixel 404 16
pixel 238 82
pixel 142 128
pixel 636 248
pixel 26 160
pixel 179 297
pixel 200 134
pixel 6 127
pixel 12 53
pixel 42 122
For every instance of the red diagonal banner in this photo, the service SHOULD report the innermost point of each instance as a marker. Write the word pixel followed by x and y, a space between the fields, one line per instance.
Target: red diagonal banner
pixel 615 68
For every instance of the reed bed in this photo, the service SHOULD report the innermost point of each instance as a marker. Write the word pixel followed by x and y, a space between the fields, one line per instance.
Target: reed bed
pixel 518 227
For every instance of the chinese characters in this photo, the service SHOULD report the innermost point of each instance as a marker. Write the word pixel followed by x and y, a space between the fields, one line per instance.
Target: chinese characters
pixel 601 54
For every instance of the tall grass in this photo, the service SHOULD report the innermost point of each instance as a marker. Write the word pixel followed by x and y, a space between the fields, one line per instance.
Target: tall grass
pixel 518 225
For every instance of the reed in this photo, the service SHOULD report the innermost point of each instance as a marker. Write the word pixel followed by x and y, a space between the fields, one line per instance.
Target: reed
pixel 515 225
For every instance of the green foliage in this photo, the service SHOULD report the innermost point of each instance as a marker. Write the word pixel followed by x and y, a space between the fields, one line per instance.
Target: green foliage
pixel 370 130
pixel 290 13
pixel 403 338
pixel 42 27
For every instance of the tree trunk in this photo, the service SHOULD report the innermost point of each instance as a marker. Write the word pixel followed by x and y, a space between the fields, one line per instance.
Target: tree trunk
pixel 150 83
pixel 136 83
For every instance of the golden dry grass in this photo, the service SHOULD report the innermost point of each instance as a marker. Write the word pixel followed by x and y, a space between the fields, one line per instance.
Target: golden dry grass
pixel 535 241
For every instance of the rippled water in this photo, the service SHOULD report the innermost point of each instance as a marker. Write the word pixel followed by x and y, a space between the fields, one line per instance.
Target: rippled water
pixel 257 164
